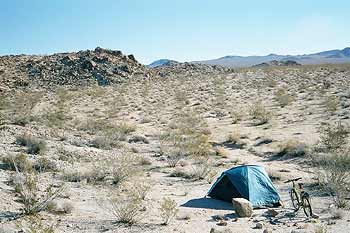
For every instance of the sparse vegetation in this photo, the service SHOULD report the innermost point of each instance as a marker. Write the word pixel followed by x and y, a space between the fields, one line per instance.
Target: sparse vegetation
pixel 130 142
pixel 283 97
pixel 168 210
pixel 33 144
pixel 126 208
pixel 292 148
pixel 34 200
pixel 334 137
pixel 259 113
pixel 331 104
pixel 334 175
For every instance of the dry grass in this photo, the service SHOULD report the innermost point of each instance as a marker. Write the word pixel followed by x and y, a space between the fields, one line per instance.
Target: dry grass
pixel 168 210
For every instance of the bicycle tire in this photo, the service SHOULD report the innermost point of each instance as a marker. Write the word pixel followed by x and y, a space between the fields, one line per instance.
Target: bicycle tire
pixel 307 206
pixel 295 199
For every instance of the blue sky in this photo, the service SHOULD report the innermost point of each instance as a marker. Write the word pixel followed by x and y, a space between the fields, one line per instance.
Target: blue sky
pixel 184 30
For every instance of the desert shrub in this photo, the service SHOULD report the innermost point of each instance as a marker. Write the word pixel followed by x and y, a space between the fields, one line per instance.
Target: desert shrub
pixel 236 116
pixel 180 173
pixel 138 188
pixel 235 139
pixel 144 161
pixel 139 138
pixel 292 148
pixel 203 169
pixel 19 162
pixel 334 175
pixel 33 144
pixel 23 105
pixel 333 136
pixel 222 152
pixel 44 164
pixel 331 104
pixel 174 156
pixel 180 145
pixel 168 210
pixel 58 116
pixel 126 208
pixel 33 199
pixel 104 127
pixel 116 169
pixel 321 229
pixel 34 224
pixel 126 128
pixel 283 98
pixel 259 113
pixel 67 156
pixel 102 142
pixel 4 106
pixel 72 175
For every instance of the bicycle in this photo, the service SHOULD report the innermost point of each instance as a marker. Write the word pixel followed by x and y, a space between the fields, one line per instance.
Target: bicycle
pixel 299 197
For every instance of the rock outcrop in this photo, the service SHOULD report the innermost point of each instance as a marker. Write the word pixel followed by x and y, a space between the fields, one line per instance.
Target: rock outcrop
pixel 99 66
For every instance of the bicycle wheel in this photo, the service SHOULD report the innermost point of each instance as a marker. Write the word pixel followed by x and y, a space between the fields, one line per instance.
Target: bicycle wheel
pixel 295 199
pixel 307 206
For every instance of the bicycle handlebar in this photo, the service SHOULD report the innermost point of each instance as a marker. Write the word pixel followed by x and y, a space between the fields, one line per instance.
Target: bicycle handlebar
pixel 296 179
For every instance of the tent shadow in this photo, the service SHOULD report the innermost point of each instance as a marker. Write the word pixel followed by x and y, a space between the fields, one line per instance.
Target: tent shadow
pixel 208 203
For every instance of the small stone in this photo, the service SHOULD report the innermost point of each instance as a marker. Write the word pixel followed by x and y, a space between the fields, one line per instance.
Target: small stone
pixel 272 212
pixel 259 225
pixel 222 223
pixel 213 230
pixel 267 230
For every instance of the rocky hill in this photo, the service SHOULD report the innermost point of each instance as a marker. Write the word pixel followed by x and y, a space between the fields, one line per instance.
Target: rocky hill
pixel 99 66
pixel 84 68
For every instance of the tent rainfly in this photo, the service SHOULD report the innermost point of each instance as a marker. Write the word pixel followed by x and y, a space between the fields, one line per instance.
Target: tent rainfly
pixel 250 182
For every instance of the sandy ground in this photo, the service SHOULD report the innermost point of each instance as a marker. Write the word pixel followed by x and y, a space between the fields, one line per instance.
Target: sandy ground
pixel 151 107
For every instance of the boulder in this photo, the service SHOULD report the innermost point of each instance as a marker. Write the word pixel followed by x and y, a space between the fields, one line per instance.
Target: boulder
pixel 242 207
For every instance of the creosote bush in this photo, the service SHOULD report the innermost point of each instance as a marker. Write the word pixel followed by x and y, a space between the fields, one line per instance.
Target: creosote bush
pixel 33 144
pixel 23 105
pixel 259 113
pixel 33 198
pixel 283 97
pixel 127 205
pixel 331 104
pixel 236 116
pixel 114 169
pixel 19 162
pixel 334 137
pixel 34 224
pixel 334 175
pixel 292 148
pixel 187 136
pixel 203 169
pixel 168 210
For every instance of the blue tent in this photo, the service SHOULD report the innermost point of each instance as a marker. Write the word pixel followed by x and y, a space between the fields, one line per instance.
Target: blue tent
pixel 250 182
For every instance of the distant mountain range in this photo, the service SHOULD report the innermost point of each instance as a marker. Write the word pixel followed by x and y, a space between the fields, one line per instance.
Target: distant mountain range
pixel 162 62
pixel 326 57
